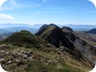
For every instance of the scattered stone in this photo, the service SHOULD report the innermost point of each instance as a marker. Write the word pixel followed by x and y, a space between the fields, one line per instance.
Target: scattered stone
pixel 1 59
pixel 25 56
pixel 3 51
pixel 6 46
pixel 17 60
pixel 25 53
pixel 10 62
pixel 29 53
pixel 62 48
pixel 17 49
pixel 7 53
pixel 49 61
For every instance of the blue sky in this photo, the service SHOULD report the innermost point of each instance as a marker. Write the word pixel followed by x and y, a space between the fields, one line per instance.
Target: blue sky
pixel 47 11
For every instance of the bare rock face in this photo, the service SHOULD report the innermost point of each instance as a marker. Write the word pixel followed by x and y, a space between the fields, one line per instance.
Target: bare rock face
pixel 80 44
pixel 54 35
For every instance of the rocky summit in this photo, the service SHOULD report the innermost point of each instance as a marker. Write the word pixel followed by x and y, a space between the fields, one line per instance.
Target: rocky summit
pixel 54 35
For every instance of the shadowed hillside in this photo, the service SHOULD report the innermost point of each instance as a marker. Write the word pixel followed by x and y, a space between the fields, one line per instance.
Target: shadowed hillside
pixel 93 31
pixel 54 35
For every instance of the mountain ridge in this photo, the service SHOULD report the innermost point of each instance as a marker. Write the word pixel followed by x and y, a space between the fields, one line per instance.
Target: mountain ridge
pixel 68 35
pixel 25 52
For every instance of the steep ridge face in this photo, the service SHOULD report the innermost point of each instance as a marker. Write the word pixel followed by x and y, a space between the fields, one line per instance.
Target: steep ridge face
pixel 65 37
pixel 54 35
pixel 87 37
pixel 86 49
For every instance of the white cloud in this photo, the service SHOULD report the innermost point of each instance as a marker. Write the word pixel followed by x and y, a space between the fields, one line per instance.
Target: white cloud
pixel 7 4
pixel 2 2
pixel 13 2
pixel 6 16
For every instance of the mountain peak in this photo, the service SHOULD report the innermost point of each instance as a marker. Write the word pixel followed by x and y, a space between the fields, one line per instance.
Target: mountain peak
pixel 52 24
pixel 66 29
pixel 54 35
pixel 46 28
pixel 43 27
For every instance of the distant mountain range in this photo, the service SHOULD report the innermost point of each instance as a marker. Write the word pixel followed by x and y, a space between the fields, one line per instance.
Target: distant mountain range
pixel 8 27
pixel 11 28
pixel 5 35
pixel 11 25
pixel 15 29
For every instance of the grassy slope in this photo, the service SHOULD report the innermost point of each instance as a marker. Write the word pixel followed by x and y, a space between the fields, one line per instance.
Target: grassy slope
pixel 40 61
pixel 14 52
